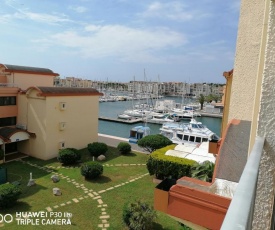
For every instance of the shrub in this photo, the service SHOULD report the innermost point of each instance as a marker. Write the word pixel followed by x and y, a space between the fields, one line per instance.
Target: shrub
pixel 124 148
pixel 1 154
pixel 203 171
pixel 68 156
pixel 153 142
pixel 97 148
pixel 9 194
pixel 163 166
pixel 138 216
pixel 91 170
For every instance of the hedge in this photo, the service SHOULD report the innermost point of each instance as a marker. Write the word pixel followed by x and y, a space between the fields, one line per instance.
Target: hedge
pixel 91 170
pixel 97 148
pixel 9 194
pixel 124 148
pixel 69 156
pixel 164 166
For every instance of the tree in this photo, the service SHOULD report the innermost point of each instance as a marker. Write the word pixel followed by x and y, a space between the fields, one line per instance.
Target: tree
pixel 124 148
pixel 201 100
pixel 216 98
pixel 152 142
pixel 97 148
pixel 138 216
pixel 69 156
pixel 209 98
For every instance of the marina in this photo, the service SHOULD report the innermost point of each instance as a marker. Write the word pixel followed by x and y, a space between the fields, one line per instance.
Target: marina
pixel 109 124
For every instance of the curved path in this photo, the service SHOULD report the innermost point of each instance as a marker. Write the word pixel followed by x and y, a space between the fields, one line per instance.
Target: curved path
pixel 88 193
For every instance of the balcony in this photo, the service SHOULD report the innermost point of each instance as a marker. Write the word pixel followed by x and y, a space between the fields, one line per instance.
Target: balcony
pixel 197 204
pixel 216 205
pixel 11 85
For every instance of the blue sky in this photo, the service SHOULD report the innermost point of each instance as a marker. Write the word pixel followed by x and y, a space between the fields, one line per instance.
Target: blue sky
pixel 185 41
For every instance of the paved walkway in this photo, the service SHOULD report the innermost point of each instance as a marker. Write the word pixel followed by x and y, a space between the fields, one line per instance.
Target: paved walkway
pixel 114 141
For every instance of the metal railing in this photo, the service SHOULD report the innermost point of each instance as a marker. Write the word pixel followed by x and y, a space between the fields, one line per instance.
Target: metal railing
pixel 240 212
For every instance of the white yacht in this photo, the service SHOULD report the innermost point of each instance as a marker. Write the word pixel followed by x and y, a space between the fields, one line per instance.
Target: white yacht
pixel 159 118
pixel 192 132
pixel 134 113
pixel 124 116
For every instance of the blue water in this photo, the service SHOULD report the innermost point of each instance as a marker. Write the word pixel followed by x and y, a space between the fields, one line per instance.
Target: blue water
pixel 112 109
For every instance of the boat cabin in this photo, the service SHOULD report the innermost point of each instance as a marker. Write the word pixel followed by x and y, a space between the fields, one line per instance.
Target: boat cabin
pixel 179 137
pixel 138 132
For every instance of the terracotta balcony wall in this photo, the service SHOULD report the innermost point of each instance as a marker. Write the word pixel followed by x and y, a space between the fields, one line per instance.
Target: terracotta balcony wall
pixel 205 204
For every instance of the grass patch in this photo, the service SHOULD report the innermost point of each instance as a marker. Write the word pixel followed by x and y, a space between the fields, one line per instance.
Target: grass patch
pixel 86 213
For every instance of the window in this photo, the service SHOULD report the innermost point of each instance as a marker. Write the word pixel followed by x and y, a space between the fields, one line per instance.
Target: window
pixel 198 139
pixel 7 121
pixel 192 138
pixel 62 105
pixel 62 145
pixel 4 101
pixel 179 136
pixel 204 139
pixel 185 137
pixel 62 125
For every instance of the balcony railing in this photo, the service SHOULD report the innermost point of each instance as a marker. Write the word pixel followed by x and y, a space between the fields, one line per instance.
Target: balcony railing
pixel 240 212
pixel 8 85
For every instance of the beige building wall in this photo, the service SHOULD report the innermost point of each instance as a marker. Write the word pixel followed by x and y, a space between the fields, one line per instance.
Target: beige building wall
pixel 253 95
pixel 22 103
pixel 76 125
pixel 246 59
pixel 32 112
pixel 265 123
pixel 26 80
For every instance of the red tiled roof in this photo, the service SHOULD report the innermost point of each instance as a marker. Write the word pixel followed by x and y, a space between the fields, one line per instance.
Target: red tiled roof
pixel 66 91
pixel 28 69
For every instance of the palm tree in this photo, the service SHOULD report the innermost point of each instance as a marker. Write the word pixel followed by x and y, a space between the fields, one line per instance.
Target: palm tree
pixel 203 171
pixel 201 100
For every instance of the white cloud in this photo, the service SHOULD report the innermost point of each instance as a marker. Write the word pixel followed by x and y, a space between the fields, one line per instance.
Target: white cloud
pixel 23 13
pixel 170 10
pixel 78 9
pixel 118 41
pixel 46 18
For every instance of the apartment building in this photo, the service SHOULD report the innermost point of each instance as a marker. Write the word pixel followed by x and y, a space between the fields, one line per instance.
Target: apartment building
pixel 38 119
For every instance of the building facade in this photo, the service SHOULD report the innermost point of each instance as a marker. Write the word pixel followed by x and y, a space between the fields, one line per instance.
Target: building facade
pixel 248 141
pixel 38 119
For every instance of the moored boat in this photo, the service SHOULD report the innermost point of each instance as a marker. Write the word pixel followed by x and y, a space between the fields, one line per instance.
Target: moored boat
pixel 161 118
pixel 192 132
pixel 138 132
pixel 124 116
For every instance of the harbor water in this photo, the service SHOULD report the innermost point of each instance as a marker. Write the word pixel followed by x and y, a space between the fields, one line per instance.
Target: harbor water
pixel 112 109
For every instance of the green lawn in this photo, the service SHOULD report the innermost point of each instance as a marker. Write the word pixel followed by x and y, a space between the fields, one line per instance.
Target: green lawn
pixel 118 184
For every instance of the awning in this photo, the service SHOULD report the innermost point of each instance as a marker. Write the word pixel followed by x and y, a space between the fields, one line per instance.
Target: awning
pixel 9 135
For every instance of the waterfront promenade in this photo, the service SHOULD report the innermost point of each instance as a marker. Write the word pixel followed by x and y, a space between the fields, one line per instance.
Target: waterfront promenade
pixel 113 141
